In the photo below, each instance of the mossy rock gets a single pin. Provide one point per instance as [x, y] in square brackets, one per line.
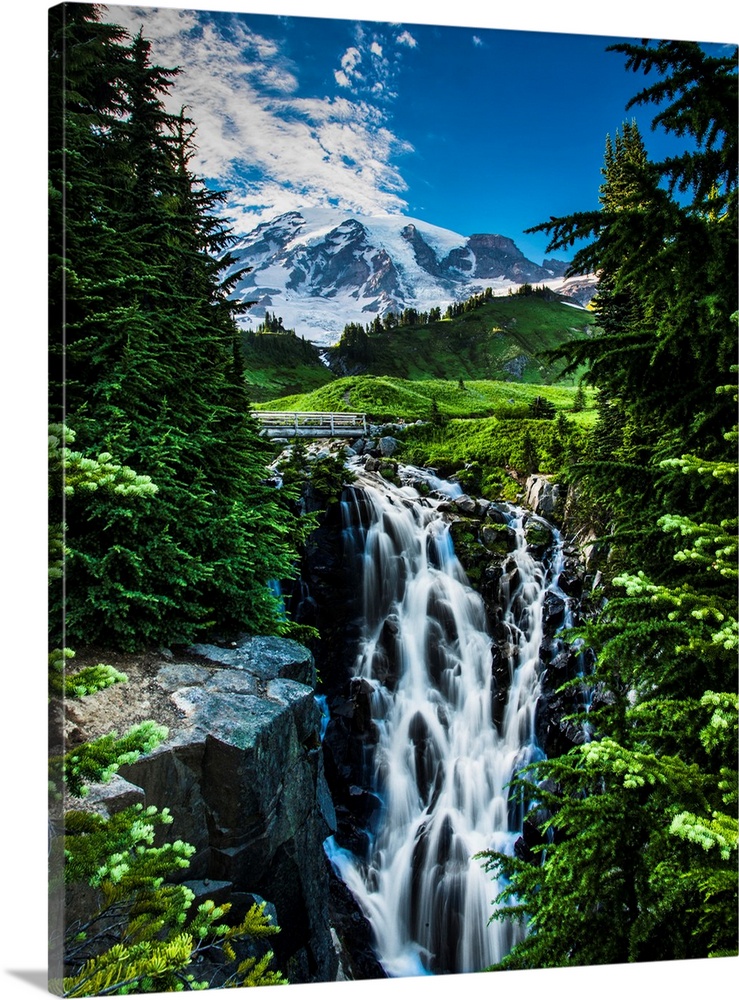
[538, 535]
[498, 539]
[389, 471]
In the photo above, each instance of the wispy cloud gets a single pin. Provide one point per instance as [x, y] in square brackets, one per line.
[369, 67]
[477, 41]
[275, 150]
[406, 38]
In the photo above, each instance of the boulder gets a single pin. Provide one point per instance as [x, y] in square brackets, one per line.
[545, 497]
[246, 772]
[388, 446]
[266, 656]
[465, 504]
[538, 536]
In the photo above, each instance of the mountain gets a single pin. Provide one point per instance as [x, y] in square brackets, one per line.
[319, 269]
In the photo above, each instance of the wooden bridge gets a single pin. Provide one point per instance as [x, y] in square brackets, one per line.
[296, 424]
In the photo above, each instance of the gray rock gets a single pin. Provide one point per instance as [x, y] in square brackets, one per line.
[209, 888]
[244, 780]
[267, 656]
[388, 446]
[466, 504]
[177, 675]
[544, 497]
[110, 797]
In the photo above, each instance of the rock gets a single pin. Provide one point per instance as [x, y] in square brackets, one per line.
[208, 888]
[111, 796]
[353, 931]
[570, 583]
[545, 497]
[495, 514]
[553, 612]
[177, 675]
[465, 504]
[538, 536]
[388, 446]
[498, 538]
[264, 655]
[246, 773]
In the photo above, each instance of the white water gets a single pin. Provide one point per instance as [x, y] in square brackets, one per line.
[441, 767]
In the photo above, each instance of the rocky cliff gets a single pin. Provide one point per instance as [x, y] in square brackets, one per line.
[242, 773]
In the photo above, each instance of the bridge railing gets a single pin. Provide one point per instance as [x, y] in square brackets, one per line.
[312, 422]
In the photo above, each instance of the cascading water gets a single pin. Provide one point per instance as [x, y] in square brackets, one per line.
[441, 764]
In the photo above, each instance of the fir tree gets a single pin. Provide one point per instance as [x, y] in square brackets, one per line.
[150, 358]
[638, 827]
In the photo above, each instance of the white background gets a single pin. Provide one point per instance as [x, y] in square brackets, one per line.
[22, 490]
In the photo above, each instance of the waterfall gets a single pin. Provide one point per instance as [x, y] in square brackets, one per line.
[443, 755]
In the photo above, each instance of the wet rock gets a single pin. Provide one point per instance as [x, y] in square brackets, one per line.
[388, 446]
[498, 539]
[538, 536]
[353, 931]
[361, 695]
[553, 613]
[570, 583]
[497, 514]
[545, 497]
[465, 504]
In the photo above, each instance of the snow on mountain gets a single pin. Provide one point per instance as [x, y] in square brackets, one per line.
[319, 269]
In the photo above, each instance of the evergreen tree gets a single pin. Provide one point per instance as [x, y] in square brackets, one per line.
[638, 827]
[150, 360]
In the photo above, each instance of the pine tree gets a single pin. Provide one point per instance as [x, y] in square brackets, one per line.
[638, 827]
[151, 364]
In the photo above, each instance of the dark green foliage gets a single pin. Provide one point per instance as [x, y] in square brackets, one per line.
[278, 362]
[667, 292]
[151, 360]
[139, 935]
[541, 408]
[320, 481]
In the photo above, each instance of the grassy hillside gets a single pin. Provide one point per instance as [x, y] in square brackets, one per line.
[484, 453]
[503, 338]
[386, 398]
[276, 364]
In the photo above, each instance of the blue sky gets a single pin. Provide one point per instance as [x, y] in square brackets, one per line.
[472, 129]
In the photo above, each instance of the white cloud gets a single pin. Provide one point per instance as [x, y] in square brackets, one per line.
[350, 60]
[365, 69]
[274, 150]
[477, 41]
[406, 38]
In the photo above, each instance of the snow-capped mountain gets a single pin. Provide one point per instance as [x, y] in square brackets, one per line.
[319, 269]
